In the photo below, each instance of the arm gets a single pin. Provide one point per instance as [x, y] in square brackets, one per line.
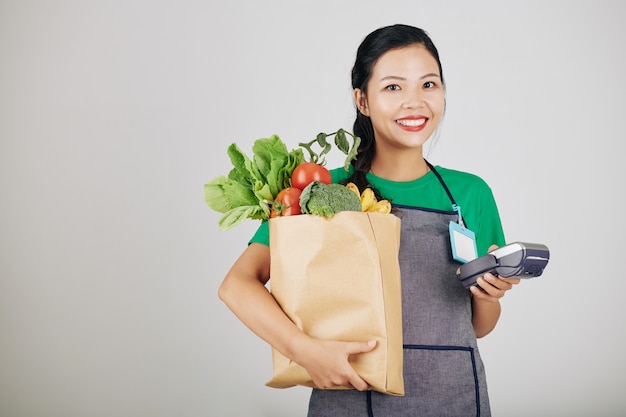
[486, 301]
[244, 292]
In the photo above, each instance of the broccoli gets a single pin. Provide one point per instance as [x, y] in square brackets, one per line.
[327, 199]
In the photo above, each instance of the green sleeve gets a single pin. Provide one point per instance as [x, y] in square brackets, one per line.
[489, 228]
[262, 234]
[478, 206]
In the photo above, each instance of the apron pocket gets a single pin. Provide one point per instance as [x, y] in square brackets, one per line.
[442, 380]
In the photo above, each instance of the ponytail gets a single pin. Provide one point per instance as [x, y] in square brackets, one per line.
[365, 131]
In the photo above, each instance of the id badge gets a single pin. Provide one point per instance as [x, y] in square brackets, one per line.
[463, 242]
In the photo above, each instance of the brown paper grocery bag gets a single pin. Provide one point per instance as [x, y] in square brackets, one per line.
[339, 279]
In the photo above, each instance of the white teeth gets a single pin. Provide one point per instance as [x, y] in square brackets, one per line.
[412, 122]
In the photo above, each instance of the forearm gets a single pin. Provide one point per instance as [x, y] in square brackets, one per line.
[485, 301]
[243, 291]
[258, 310]
[485, 315]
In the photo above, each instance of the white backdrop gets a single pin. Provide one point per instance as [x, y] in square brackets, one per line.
[113, 114]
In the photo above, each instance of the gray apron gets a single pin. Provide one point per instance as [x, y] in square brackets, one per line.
[443, 371]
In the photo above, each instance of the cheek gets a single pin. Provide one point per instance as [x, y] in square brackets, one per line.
[438, 104]
[383, 104]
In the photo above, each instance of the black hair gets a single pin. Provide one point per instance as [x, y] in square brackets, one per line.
[371, 49]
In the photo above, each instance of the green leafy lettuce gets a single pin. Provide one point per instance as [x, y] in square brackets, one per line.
[253, 183]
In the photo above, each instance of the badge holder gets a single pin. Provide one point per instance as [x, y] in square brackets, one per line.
[462, 240]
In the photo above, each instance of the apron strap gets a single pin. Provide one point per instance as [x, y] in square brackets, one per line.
[445, 187]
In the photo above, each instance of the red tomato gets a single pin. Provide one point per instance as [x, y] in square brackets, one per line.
[287, 202]
[307, 172]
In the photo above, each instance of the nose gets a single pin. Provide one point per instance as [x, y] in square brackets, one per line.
[413, 99]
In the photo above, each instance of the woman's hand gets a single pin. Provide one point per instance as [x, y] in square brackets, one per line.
[492, 287]
[328, 363]
[486, 300]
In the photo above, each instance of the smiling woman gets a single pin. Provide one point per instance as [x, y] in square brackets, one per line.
[114, 113]
[399, 93]
[404, 99]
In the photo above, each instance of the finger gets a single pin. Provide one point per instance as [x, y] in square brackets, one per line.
[501, 282]
[512, 281]
[489, 279]
[481, 294]
[355, 381]
[477, 291]
[358, 384]
[506, 283]
[354, 349]
[498, 282]
[360, 347]
[486, 284]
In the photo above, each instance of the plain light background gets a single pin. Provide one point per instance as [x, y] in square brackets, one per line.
[113, 115]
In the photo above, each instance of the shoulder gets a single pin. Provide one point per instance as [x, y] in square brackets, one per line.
[459, 175]
[462, 179]
[262, 234]
[340, 174]
[480, 210]
[467, 188]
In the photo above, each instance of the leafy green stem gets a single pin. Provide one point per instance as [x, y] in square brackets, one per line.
[341, 142]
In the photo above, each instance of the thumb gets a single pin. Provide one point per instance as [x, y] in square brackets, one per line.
[361, 347]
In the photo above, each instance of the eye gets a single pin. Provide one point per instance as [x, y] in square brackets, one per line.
[430, 84]
[393, 87]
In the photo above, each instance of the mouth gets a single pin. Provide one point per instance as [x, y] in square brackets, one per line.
[412, 123]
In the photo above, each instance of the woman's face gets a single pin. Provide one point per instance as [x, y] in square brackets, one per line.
[405, 98]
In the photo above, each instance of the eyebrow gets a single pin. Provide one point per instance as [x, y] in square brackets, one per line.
[395, 77]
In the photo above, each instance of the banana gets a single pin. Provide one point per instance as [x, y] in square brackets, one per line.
[369, 202]
[368, 199]
[352, 186]
[382, 206]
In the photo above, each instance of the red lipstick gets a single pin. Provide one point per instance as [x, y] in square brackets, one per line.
[412, 123]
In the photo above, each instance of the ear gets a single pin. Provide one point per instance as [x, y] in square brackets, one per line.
[361, 101]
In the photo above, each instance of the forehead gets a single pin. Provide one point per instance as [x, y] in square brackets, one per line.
[405, 61]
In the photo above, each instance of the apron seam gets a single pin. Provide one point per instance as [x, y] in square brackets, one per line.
[370, 410]
[437, 347]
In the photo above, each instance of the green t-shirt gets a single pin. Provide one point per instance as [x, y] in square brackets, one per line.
[470, 192]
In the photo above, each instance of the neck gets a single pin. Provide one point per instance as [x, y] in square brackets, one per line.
[400, 168]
